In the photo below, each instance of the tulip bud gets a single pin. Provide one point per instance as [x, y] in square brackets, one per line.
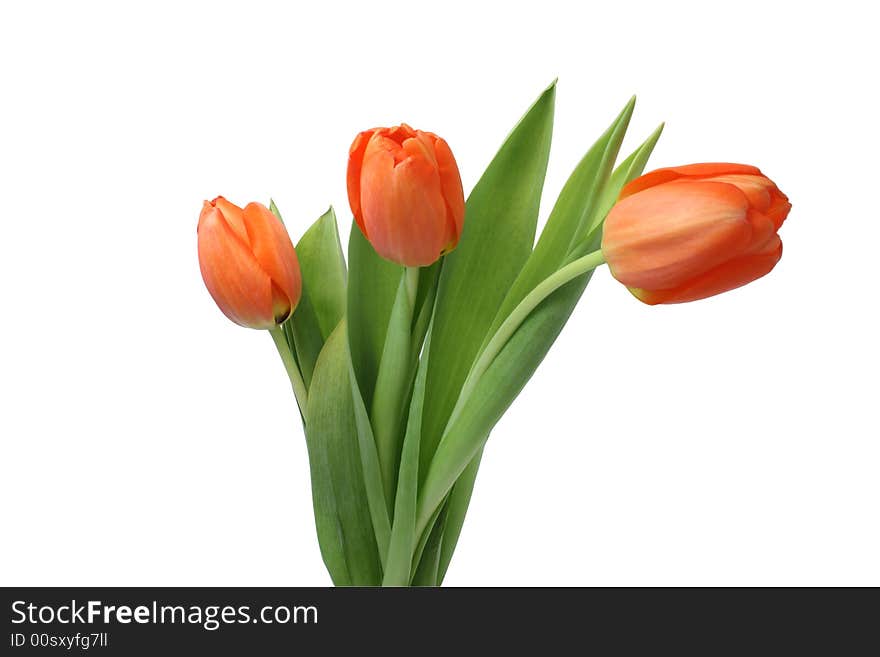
[405, 191]
[687, 233]
[248, 263]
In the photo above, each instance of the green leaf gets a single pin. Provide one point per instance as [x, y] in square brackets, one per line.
[427, 571]
[373, 285]
[403, 536]
[372, 288]
[459, 498]
[424, 535]
[323, 270]
[570, 214]
[304, 336]
[274, 210]
[345, 530]
[493, 394]
[456, 510]
[372, 471]
[322, 303]
[287, 329]
[392, 382]
[499, 231]
[630, 169]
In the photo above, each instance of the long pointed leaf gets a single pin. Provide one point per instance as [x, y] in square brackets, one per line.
[493, 394]
[630, 169]
[499, 231]
[375, 495]
[322, 303]
[403, 537]
[459, 498]
[323, 270]
[392, 381]
[429, 561]
[572, 214]
[571, 211]
[372, 288]
[456, 510]
[345, 530]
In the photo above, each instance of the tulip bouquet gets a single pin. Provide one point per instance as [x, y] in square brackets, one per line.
[403, 359]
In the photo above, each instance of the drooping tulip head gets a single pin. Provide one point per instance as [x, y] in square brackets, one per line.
[685, 233]
[405, 191]
[248, 263]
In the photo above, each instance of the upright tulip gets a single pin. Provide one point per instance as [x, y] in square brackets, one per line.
[405, 191]
[690, 232]
[248, 263]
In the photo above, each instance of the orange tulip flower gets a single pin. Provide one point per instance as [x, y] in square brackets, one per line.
[405, 191]
[248, 263]
[690, 232]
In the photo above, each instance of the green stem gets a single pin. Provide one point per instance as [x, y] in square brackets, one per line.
[296, 380]
[543, 290]
[432, 498]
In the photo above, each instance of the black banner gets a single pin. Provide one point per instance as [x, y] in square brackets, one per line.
[170, 621]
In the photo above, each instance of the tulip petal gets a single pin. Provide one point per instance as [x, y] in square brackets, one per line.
[275, 254]
[688, 171]
[403, 208]
[353, 175]
[398, 134]
[417, 147]
[650, 179]
[233, 216]
[762, 193]
[281, 308]
[779, 208]
[709, 169]
[763, 231]
[422, 144]
[238, 284]
[665, 235]
[453, 194]
[725, 277]
[756, 188]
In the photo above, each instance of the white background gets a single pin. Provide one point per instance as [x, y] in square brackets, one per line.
[146, 440]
